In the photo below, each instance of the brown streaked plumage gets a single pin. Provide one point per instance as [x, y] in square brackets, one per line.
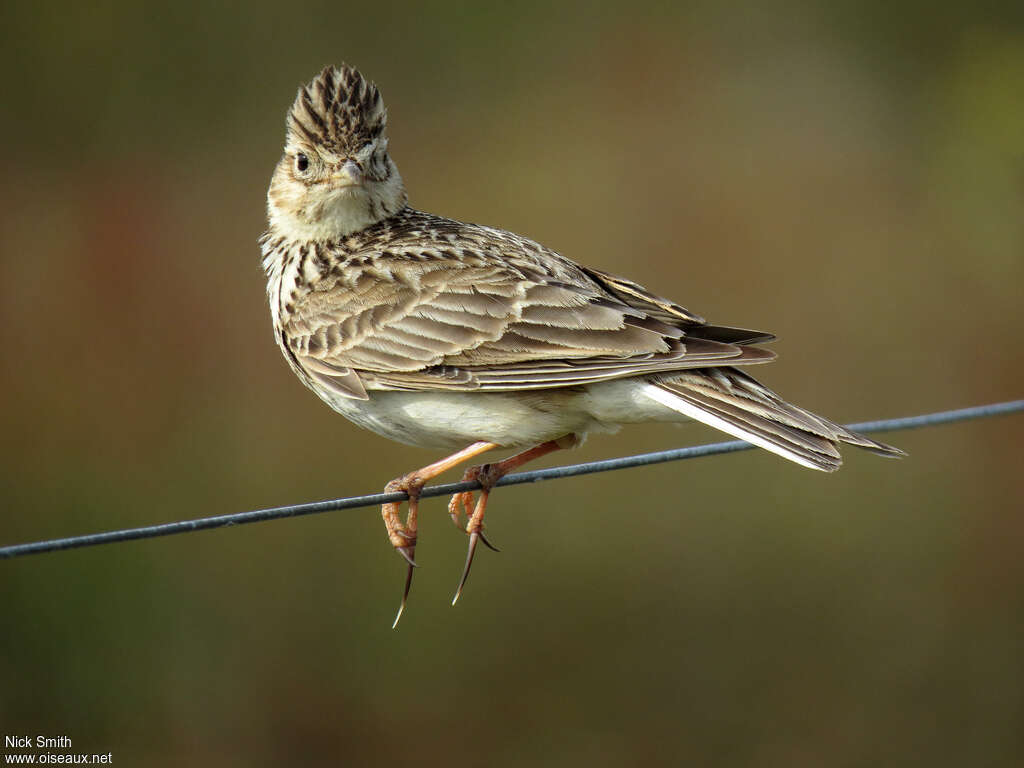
[444, 334]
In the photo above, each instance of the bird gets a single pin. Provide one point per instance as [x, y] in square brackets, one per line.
[465, 338]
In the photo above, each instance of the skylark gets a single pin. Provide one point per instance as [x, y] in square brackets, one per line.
[447, 335]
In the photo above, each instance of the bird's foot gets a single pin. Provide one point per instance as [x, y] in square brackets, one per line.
[403, 536]
[465, 502]
[487, 475]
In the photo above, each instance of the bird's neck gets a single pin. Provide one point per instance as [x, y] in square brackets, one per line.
[335, 215]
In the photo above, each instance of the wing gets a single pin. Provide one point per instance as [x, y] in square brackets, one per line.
[479, 317]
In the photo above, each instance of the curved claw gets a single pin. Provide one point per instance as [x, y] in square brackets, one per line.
[473, 539]
[405, 594]
[407, 553]
[487, 543]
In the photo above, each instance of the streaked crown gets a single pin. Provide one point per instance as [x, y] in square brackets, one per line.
[339, 110]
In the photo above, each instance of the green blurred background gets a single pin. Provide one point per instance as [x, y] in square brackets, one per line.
[849, 176]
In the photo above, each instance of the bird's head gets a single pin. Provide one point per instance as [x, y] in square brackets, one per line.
[335, 176]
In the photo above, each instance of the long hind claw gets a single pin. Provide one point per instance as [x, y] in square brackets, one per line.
[473, 539]
[405, 593]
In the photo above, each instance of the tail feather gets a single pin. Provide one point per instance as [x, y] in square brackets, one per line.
[729, 400]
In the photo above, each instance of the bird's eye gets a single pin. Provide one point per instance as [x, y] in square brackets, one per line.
[301, 163]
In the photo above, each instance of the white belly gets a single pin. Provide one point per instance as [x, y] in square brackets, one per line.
[510, 419]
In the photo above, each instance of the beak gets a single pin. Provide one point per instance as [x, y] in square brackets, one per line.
[349, 175]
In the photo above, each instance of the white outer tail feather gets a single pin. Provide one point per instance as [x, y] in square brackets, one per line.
[679, 405]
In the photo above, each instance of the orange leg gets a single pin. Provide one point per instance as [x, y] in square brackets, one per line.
[403, 537]
[487, 475]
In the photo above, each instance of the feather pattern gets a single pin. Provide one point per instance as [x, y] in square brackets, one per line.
[430, 330]
[507, 312]
[730, 400]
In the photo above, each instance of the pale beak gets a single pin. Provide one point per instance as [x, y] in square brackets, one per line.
[349, 175]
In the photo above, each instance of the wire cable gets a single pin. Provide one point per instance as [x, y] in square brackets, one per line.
[572, 470]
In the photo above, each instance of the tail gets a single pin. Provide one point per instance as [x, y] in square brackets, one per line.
[729, 400]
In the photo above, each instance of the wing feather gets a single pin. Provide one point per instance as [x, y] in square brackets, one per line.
[493, 311]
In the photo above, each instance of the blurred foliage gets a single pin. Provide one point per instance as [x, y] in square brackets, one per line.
[849, 176]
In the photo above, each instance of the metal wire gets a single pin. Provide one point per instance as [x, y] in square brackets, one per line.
[373, 499]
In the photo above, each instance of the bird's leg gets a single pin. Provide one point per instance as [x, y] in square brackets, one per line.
[403, 537]
[487, 475]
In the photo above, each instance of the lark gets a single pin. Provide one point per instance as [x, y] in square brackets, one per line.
[466, 338]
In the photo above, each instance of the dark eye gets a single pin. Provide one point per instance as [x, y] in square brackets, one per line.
[301, 163]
